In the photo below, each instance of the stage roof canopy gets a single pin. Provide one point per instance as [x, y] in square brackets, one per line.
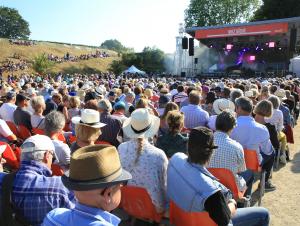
[267, 27]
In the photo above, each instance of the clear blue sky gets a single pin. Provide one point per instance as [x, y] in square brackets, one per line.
[136, 23]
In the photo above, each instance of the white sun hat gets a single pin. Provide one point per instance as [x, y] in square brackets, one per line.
[220, 105]
[89, 117]
[141, 124]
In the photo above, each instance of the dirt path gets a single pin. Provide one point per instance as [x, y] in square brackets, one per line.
[284, 203]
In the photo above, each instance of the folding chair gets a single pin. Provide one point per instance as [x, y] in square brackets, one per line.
[102, 142]
[13, 127]
[10, 156]
[252, 163]
[179, 217]
[38, 131]
[227, 178]
[56, 170]
[138, 204]
[24, 133]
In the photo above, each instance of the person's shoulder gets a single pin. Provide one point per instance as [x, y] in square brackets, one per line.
[56, 217]
[60, 144]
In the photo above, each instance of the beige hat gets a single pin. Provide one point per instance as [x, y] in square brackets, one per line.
[89, 117]
[141, 124]
[220, 105]
[249, 93]
[281, 94]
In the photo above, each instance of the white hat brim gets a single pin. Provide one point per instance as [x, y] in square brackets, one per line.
[218, 111]
[155, 123]
[77, 121]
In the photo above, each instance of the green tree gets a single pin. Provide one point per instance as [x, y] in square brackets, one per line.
[117, 67]
[12, 25]
[277, 9]
[113, 44]
[219, 12]
[41, 64]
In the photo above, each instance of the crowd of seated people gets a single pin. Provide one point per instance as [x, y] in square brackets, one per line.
[12, 66]
[160, 134]
[71, 58]
[21, 42]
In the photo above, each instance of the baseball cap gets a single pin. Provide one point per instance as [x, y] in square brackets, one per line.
[20, 97]
[37, 143]
[10, 95]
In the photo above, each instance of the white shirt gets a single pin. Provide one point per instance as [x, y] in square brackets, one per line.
[194, 116]
[4, 129]
[7, 111]
[63, 153]
[276, 120]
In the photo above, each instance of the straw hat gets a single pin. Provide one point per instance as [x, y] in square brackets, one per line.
[141, 124]
[220, 105]
[281, 94]
[93, 167]
[89, 117]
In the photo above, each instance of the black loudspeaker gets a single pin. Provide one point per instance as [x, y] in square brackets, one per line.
[191, 47]
[293, 39]
[184, 43]
[182, 74]
[196, 60]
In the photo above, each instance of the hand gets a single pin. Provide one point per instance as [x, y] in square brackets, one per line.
[1, 164]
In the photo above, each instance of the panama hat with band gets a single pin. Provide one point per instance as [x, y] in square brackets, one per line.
[93, 167]
[89, 117]
[141, 124]
[222, 104]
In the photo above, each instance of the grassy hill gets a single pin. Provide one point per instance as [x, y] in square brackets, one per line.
[58, 49]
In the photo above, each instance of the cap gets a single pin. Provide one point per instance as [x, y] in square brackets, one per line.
[37, 143]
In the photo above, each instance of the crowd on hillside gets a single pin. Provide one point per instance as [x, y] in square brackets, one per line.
[69, 57]
[21, 42]
[102, 132]
[11, 66]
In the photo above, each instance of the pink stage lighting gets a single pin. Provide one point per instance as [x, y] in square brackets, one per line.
[229, 46]
[252, 58]
[271, 44]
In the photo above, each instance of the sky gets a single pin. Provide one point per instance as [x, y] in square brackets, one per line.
[135, 23]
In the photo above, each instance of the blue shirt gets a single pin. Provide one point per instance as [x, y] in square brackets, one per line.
[286, 114]
[194, 116]
[252, 136]
[79, 216]
[189, 185]
[35, 192]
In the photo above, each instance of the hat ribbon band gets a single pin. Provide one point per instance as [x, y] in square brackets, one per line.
[90, 124]
[100, 178]
[142, 130]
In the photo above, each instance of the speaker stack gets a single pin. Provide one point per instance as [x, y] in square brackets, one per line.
[293, 39]
[184, 43]
[191, 46]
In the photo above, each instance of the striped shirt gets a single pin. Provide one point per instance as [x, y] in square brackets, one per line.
[194, 116]
[35, 192]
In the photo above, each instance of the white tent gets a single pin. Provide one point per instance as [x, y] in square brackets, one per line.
[295, 65]
[134, 70]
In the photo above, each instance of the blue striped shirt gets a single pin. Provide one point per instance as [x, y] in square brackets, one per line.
[194, 116]
[35, 192]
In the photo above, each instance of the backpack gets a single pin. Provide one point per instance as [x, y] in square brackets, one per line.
[9, 215]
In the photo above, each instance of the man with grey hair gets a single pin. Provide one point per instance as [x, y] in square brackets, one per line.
[129, 99]
[254, 136]
[35, 192]
[113, 126]
[54, 124]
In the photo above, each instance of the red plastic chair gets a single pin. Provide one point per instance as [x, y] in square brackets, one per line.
[13, 128]
[24, 133]
[179, 217]
[227, 178]
[10, 156]
[62, 138]
[102, 142]
[138, 204]
[252, 163]
[72, 139]
[38, 131]
[56, 170]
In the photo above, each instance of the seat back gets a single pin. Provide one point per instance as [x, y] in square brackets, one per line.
[179, 217]
[24, 133]
[251, 160]
[102, 142]
[226, 178]
[9, 155]
[62, 138]
[137, 203]
[38, 131]
[13, 128]
[56, 170]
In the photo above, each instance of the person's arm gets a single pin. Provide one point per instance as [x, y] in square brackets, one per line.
[218, 209]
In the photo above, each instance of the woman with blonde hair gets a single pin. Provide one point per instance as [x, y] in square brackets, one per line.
[146, 163]
[173, 141]
[38, 105]
[87, 129]
[163, 128]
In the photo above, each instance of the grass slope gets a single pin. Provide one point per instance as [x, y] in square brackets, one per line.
[29, 52]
